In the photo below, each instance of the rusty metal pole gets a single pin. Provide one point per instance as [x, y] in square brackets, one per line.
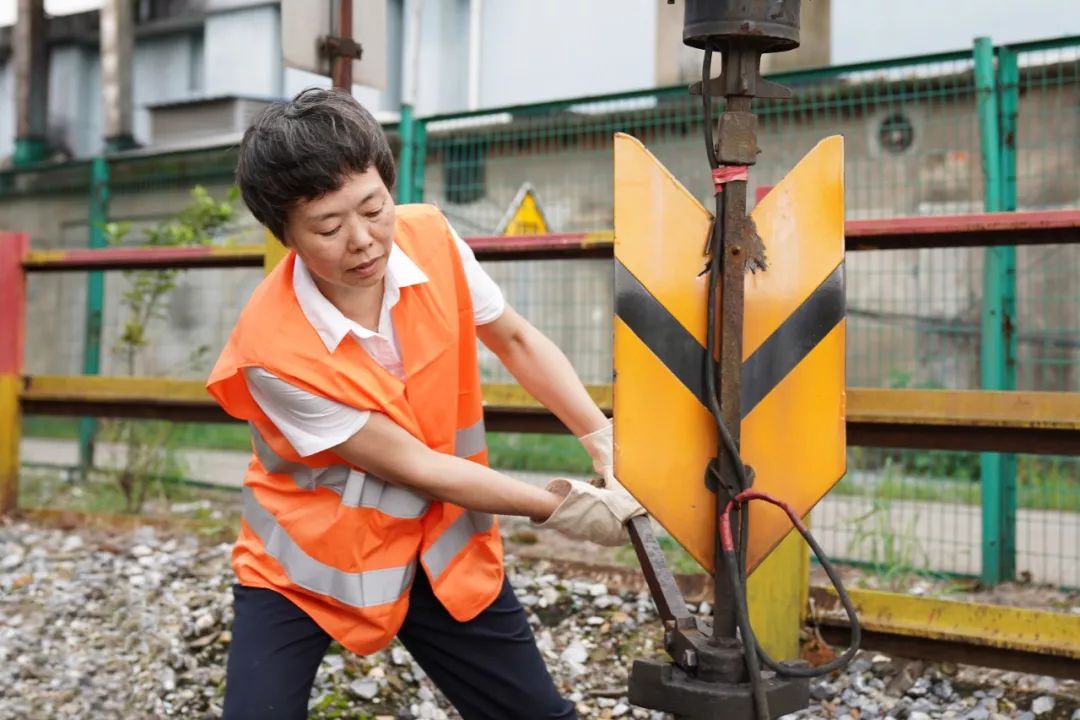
[342, 76]
[117, 50]
[31, 83]
[712, 673]
[740, 32]
[728, 369]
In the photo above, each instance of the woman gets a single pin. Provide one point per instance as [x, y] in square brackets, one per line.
[368, 505]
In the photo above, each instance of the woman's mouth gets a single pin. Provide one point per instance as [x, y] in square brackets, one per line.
[364, 269]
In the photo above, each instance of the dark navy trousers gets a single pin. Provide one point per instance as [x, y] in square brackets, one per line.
[489, 667]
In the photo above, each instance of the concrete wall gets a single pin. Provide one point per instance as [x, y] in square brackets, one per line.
[236, 51]
[242, 52]
[536, 51]
[181, 53]
[7, 109]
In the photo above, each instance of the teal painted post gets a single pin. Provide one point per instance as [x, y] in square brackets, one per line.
[406, 160]
[95, 299]
[419, 159]
[1009, 104]
[997, 346]
[29, 151]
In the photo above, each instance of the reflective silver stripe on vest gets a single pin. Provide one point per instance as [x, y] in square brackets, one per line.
[471, 440]
[358, 589]
[454, 539]
[357, 489]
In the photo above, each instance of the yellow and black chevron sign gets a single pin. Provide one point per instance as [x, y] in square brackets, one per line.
[792, 430]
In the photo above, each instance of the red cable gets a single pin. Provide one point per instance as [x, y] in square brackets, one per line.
[727, 542]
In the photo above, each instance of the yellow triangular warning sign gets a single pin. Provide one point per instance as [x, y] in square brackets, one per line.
[524, 217]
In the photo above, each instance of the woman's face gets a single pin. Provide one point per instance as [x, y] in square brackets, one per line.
[345, 236]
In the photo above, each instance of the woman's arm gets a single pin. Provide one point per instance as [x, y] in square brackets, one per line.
[575, 508]
[385, 449]
[543, 370]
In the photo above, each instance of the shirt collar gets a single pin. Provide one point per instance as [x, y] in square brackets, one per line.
[329, 322]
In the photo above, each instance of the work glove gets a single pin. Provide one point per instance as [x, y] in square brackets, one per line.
[600, 445]
[590, 513]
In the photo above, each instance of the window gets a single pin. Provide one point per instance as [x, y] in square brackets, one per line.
[896, 133]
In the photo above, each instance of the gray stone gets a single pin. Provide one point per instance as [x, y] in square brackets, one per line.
[575, 653]
[144, 632]
[920, 688]
[141, 551]
[366, 689]
[71, 544]
[860, 665]
[1042, 705]
[943, 690]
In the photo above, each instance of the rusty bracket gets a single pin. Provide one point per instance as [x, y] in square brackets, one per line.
[333, 47]
[764, 88]
[670, 605]
[687, 639]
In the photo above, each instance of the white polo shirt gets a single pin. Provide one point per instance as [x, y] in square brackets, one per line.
[311, 423]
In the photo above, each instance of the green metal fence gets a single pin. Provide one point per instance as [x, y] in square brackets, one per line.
[986, 129]
[1042, 145]
[981, 129]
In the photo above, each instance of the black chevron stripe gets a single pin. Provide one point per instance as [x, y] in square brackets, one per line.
[684, 356]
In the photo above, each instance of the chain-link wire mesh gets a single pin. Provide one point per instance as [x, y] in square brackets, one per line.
[1047, 146]
[912, 145]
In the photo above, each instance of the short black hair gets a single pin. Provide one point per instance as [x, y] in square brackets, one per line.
[300, 150]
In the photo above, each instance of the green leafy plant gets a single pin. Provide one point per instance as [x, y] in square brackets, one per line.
[894, 552]
[148, 450]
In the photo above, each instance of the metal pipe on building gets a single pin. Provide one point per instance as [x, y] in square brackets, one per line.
[117, 52]
[476, 17]
[31, 83]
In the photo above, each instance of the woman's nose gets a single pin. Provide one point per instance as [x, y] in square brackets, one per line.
[359, 237]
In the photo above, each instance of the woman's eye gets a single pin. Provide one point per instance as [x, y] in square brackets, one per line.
[373, 214]
[330, 233]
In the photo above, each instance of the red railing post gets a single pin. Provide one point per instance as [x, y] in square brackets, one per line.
[13, 248]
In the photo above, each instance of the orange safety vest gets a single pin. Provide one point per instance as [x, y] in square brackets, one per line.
[340, 543]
